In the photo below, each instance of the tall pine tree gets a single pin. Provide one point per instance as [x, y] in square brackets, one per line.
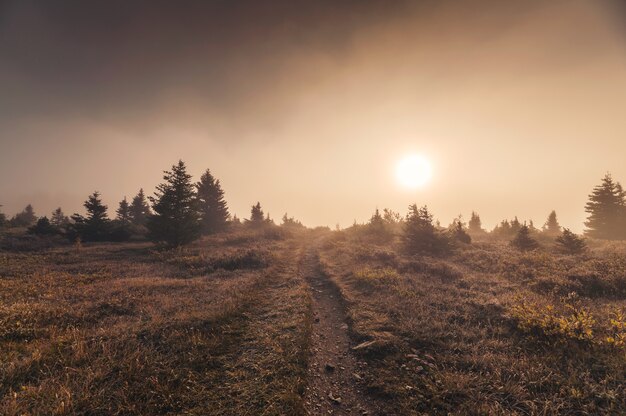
[121, 226]
[257, 218]
[58, 218]
[211, 204]
[552, 226]
[175, 221]
[474, 224]
[123, 212]
[25, 218]
[139, 210]
[96, 226]
[607, 210]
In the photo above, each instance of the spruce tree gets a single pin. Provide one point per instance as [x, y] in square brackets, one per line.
[570, 243]
[420, 235]
[3, 219]
[607, 210]
[379, 228]
[377, 223]
[121, 225]
[211, 204]
[123, 212]
[43, 227]
[139, 210]
[458, 233]
[475, 225]
[25, 218]
[257, 218]
[523, 241]
[96, 226]
[516, 225]
[58, 218]
[288, 221]
[175, 221]
[503, 229]
[391, 217]
[552, 226]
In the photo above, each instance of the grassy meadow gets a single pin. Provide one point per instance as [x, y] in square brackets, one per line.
[222, 327]
[120, 329]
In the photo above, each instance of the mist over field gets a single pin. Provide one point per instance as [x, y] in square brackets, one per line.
[517, 105]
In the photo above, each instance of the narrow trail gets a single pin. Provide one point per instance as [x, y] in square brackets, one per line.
[334, 373]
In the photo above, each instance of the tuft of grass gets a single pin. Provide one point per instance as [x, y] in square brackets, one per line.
[385, 275]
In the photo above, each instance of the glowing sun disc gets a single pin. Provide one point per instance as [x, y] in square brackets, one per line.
[413, 171]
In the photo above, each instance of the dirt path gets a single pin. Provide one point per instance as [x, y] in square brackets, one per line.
[334, 386]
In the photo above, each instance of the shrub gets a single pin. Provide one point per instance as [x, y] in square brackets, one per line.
[617, 325]
[577, 324]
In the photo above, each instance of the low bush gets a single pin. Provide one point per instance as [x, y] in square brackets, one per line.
[569, 321]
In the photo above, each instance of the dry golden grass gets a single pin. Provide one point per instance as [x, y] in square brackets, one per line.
[464, 335]
[122, 330]
[223, 327]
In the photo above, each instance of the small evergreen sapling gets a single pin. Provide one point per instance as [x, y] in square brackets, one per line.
[523, 240]
[570, 243]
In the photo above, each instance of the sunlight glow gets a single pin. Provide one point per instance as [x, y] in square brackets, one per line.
[413, 171]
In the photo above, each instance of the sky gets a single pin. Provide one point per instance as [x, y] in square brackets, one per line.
[306, 106]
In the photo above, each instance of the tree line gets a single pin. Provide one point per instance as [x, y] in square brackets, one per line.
[420, 234]
[181, 211]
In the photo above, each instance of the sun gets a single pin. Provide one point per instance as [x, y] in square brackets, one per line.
[413, 171]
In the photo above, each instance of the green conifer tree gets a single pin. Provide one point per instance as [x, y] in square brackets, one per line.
[420, 234]
[570, 243]
[96, 226]
[175, 221]
[523, 240]
[257, 217]
[475, 224]
[552, 226]
[139, 209]
[607, 211]
[211, 204]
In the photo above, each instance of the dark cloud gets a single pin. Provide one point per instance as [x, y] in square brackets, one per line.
[104, 58]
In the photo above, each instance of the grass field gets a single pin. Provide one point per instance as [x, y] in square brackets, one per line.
[224, 327]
